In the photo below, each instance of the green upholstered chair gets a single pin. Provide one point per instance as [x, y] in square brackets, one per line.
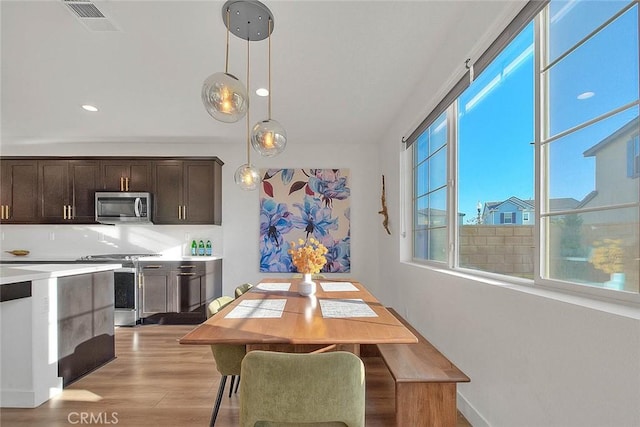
[217, 304]
[228, 358]
[242, 289]
[292, 389]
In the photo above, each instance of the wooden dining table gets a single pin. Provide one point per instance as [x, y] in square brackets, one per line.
[274, 316]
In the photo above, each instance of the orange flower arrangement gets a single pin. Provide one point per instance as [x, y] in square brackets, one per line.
[308, 256]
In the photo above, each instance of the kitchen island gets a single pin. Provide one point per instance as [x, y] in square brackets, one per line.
[56, 324]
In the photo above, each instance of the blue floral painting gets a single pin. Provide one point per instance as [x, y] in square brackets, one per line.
[302, 203]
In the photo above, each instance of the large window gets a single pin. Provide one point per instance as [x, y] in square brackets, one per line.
[590, 85]
[495, 163]
[430, 192]
[563, 94]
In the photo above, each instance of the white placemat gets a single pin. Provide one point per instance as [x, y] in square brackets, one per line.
[346, 308]
[273, 286]
[258, 308]
[338, 287]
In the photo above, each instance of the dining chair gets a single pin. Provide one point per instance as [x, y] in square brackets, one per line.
[242, 289]
[280, 388]
[228, 358]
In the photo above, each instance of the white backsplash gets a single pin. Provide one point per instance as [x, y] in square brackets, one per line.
[72, 241]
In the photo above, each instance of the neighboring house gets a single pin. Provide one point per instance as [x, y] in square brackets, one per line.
[616, 155]
[520, 212]
[508, 212]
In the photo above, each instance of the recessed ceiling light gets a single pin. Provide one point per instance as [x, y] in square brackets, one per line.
[585, 95]
[262, 92]
[90, 108]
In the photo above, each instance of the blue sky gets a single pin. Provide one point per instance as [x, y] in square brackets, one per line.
[496, 158]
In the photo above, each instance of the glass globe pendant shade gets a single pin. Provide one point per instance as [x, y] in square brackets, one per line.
[247, 177]
[225, 97]
[268, 138]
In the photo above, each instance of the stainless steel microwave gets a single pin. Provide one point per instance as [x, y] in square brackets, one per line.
[114, 207]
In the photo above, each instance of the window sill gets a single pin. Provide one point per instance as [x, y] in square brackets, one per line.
[587, 298]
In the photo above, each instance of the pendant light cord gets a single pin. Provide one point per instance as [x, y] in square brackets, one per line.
[248, 92]
[269, 34]
[226, 58]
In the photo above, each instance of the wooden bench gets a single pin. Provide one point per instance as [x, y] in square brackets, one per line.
[425, 382]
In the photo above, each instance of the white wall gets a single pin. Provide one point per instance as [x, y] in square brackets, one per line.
[236, 239]
[534, 358]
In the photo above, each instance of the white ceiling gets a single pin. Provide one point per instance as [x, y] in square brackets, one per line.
[340, 68]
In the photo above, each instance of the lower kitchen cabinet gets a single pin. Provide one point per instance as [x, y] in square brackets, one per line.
[178, 291]
[154, 290]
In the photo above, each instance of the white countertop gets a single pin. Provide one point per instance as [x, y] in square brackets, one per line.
[12, 273]
[179, 258]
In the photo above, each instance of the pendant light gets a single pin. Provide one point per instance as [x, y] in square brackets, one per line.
[247, 176]
[268, 137]
[223, 95]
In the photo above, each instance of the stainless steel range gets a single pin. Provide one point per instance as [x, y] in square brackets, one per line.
[125, 281]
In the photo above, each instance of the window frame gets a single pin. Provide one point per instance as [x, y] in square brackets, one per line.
[414, 197]
[633, 157]
[540, 121]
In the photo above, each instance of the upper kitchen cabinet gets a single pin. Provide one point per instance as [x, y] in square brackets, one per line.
[66, 190]
[187, 191]
[126, 175]
[18, 186]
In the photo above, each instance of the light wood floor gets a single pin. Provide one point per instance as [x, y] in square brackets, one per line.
[157, 382]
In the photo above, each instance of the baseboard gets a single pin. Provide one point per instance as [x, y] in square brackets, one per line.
[470, 413]
[30, 398]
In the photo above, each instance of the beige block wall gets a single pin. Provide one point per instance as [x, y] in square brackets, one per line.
[504, 249]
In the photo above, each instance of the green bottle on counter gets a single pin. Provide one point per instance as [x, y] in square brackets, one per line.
[194, 248]
[208, 250]
[201, 248]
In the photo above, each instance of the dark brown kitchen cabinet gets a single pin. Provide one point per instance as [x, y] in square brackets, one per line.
[187, 191]
[66, 190]
[126, 175]
[178, 291]
[54, 190]
[18, 186]
[155, 293]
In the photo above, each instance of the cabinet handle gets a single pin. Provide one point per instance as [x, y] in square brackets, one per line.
[187, 266]
[7, 214]
[151, 266]
[178, 298]
[184, 212]
[126, 182]
[70, 215]
[121, 184]
[190, 273]
[64, 209]
[2, 215]
[179, 212]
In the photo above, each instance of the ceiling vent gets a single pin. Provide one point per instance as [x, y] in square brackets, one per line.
[89, 15]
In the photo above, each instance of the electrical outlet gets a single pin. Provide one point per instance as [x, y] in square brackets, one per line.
[187, 237]
[52, 235]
